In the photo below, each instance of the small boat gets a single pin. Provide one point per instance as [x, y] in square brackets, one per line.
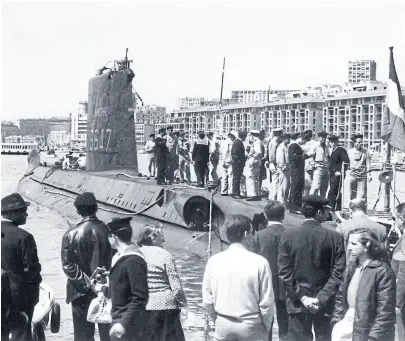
[46, 312]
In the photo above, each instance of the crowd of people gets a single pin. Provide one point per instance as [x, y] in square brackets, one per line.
[343, 285]
[295, 164]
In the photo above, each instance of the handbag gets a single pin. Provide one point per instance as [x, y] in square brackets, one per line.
[100, 310]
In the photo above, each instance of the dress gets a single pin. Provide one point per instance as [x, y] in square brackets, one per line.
[343, 330]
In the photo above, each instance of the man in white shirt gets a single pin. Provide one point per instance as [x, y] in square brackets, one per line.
[283, 169]
[237, 288]
[150, 151]
[226, 181]
[214, 157]
[320, 180]
[253, 170]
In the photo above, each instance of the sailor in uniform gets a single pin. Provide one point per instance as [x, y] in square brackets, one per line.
[253, 169]
[238, 163]
[200, 158]
[338, 156]
[359, 172]
[283, 169]
[309, 163]
[263, 172]
[161, 156]
[226, 183]
[321, 173]
[271, 163]
[150, 152]
[184, 158]
[173, 156]
[214, 157]
[297, 157]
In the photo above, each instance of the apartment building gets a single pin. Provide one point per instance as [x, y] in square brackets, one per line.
[142, 132]
[150, 114]
[256, 96]
[362, 71]
[190, 102]
[79, 126]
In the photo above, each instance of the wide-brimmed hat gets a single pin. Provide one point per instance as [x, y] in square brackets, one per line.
[13, 202]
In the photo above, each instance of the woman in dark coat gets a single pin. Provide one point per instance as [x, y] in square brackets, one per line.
[365, 303]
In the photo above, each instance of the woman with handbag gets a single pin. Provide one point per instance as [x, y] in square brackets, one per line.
[166, 295]
[365, 302]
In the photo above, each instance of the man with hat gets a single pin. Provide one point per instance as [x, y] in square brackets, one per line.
[321, 173]
[238, 162]
[359, 173]
[283, 169]
[309, 163]
[226, 183]
[173, 156]
[19, 259]
[297, 157]
[128, 284]
[254, 163]
[338, 157]
[85, 248]
[311, 262]
[200, 157]
[214, 157]
[150, 152]
[184, 158]
[271, 162]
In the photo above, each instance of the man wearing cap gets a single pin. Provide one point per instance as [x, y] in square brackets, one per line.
[173, 156]
[226, 183]
[85, 247]
[297, 157]
[20, 259]
[309, 163]
[321, 173]
[311, 262]
[200, 157]
[359, 173]
[162, 133]
[398, 265]
[128, 284]
[150, 152]
[283, 169]
[271, 163]
[254, 163]
[184, 158]
[214, 157]
[238, 163]
[338, 157]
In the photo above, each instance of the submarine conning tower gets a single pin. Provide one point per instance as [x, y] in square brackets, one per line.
[110, 121]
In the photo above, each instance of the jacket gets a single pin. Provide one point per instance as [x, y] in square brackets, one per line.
[311, 262]
[84, 248]
[129, 291]
[238, 152]
[399, 270]
[266, 244]
[337, 157]
[375, 315]
[296, 157]
[20, 259]
[201, 151]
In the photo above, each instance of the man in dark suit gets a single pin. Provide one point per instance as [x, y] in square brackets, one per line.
[20, 259]
[338, 156]
[238, 162]
[85, 247]
[311, 262]
[200, 157]
[266, 244]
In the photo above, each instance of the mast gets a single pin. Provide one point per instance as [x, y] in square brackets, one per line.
[220, 117]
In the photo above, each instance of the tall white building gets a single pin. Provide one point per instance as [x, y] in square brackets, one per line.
[190, 102]
[362, 71]
[79, 125]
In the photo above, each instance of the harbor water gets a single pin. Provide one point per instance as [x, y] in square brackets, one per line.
[48, 228]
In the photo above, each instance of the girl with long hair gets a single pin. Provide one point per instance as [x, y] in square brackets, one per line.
[365, 302]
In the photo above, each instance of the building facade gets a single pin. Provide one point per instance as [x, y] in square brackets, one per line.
[59, 139]
[79, 126]
[150, 114]
[9, 130]
[190, 102]
[362, 71]
[256, 96]
[39, 126]
[142, 132]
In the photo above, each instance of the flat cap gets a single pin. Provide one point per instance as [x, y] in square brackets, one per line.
[13, 202]
[358, 136]
[322, 133]
[242, 133]
[234, 133]
[333, 138]
[277, 131]
[117, 224]
[316, 201]
[255, 132]
[85, 199]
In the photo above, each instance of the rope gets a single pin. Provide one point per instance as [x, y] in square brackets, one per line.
[106, 209]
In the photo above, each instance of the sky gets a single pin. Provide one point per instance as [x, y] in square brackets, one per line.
[49, 50]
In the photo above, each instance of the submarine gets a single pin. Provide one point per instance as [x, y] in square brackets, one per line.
[193, 218]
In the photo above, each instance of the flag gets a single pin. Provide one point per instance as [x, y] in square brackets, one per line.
[393, 120]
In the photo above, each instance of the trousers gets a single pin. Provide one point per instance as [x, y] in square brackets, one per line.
[320, 181]
[275, 183]
[237, 171]
[226, 183]
[83, 330]
[253, 181]
[151, 165]
[309, 175]
[213, 166]
[297, 187]
[334, 194]
[283, 186]
[358, 188]
[22, 331]
[184, 168]
[282, 321]
[232, 330]
[300, 327]
[161, 171]
[200, 170]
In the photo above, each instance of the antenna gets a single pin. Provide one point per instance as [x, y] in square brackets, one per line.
[222, 83]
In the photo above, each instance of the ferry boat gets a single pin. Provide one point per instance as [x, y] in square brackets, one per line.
[18, 148]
